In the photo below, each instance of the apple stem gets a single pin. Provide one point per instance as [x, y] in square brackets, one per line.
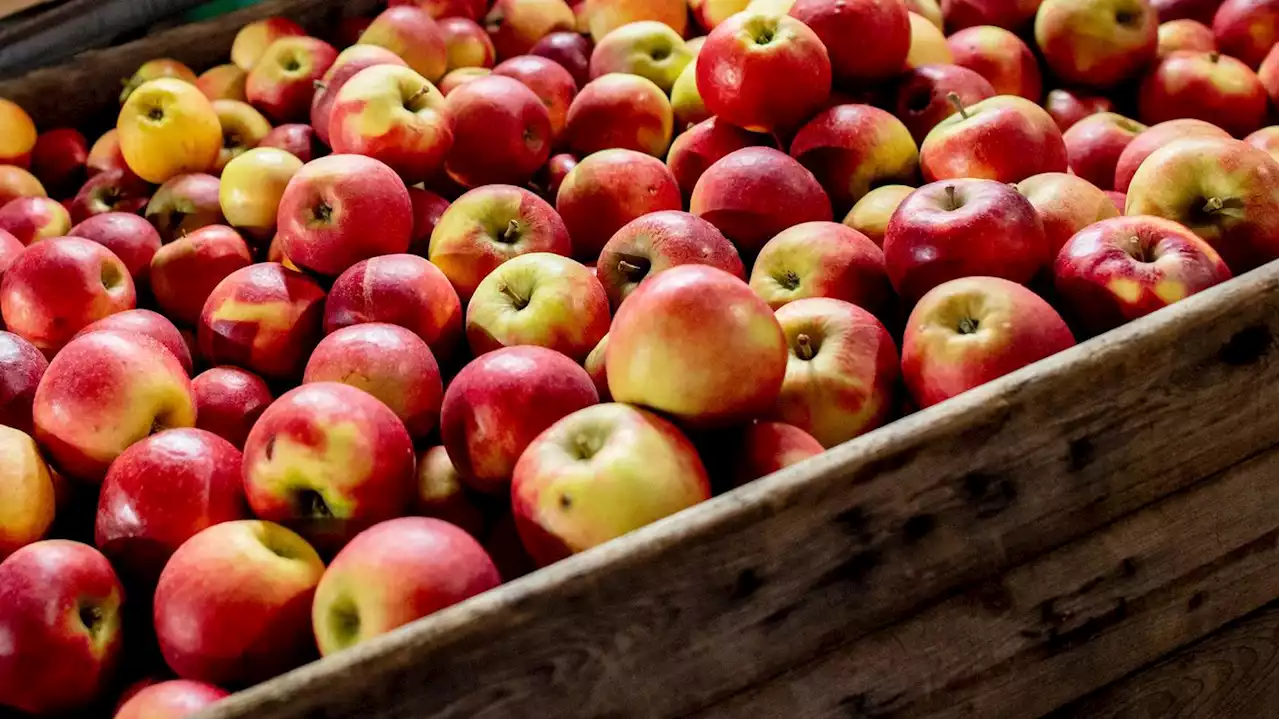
[421, 91]
[516, 299]
[319, 85]
[1213, 204]
[967, 326]
[511, 234]
[954, 99]
[1214, 56]
[632, 272]
[952, 201]
[804, 348]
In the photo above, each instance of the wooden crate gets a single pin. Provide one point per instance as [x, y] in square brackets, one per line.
[1093, 535]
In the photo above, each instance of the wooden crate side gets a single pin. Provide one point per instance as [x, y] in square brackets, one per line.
[698, 606]
[1061, 625]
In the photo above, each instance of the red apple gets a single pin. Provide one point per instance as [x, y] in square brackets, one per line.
[346, 66]
[1067, 107]
[31, 219]
[21, 367]
[229, 401]
[608, 189]
[1010, 15]
[1269, 74]
[455, 79]
[595, 367]
[1246, 29]
[1204, 86]
[442, 495]
[571, 50]
[821, 259]
[600, 17]
[58, 159]
[852, 148]
[622, 111]
[128, 236]
[185, 272]
[1000, 57]
[659, 241]
[296, 139]
[110, 191]
[920, 100]
[394, 115]
[223, 82]
[697, 148]
[967, 332]
[1117, 198]
[768, 447]
[1094, 146]
[1154, 138]
[30, 496]
[1066, 204]
[1184, 34]
[446, 9]
[516, 25]
[1198, 10]
[1003, 138]
[428, 207]
[502, 132]
[1097, 43]
[185, 204]
[411, 33]
[883, 27]
[1267, 139]
[151, 324]
[466, 43]
[173, 699]
[553, 85]
[282, 83]
[252, 41]
[551, 176]
[105, 154]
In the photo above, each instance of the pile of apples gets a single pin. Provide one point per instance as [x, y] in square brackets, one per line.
[319, 342]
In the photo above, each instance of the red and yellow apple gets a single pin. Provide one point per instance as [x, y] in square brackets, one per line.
[411, 33]
[1097, 43]
[282, 83]
[871, 214]
[252, 41]
[393, 115]
[172, 699]
[515, 26]
[553, 85]
[656, 242]
[229, 401]
[768, 447]
[501, 132]
[185, 272]
[1154, 138]
[920, 98]
[608, 189]
[31, 219]
[1067, 107]
[647, 48]
[882, 28]
[19, 135]
[1184, 34]
[28, 509]
[1003, 138]
[151, 324]
[252, 186]
[619, 111]
[853, 148]
[1066, 204]
[186, 203]
[1000, 57]
[821, 259]
[223, 82]
[168, 128]
[1095, 144]
[1246, 29]
[1205, 86]
[21, 367]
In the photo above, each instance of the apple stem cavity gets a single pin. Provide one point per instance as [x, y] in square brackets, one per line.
[633, 271]
[414, 97]
[515, 298]
[312, 504]
[804, 347]
[954, 99]
[1213, 204]
[91, 617]
[322, 212]
[967, 326]
[1214, 56]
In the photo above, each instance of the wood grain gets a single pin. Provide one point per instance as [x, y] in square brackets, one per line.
[1230, 674]
[699, 606]
[1061, 625]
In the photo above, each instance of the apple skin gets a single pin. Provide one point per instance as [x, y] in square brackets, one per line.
[233, 605]
[1126, 267]
[59, 286]
[928, 44]
[1269, 74]
[502, 132]
[466, 43]
[109, 191]
[105, 154]
[58, 159]
[282, 83]
[21, 367]
[852, 148]
[394, 573]
[1199, 10]
[185, 204]
[1117, 198]
[696, 343]
[1003, 138]
[264, 318]
[1154, 138]
[488, 226]
[659, 241]
[1174, 182]
[551, 176]
[252, 41]
[328, 460]
[571, 50]
[52, 661]
[961, 228]
[1000, 57]
[870, 215]
[19, 133]
[30, 500]
[1205, 86]
[151, 324]
[347, 65]
[604, 16]
[1066, 204]
[455, 79]
[553, 85]
[884, 27]
[1267, 139]
[185, 272]
[698, 147]
[768, 447]
[1184, 34]
[920, 98]
[961, 14]
[515, 25]
[185, 137]
[1097, 43]
[608, 189]
[296, 139]
[31, 219]
[252, 186]
[538, 299]
[619, 110]
[686, 103]
[598, 474]
[129, 237]
[394, 115]
[390, 363]
[223, 82]
[104, 391]
[647, 48]
[442, 495]
[160, 492]
[969, 331]
[595, 367]
[821, 259]
[428, 207]
[446, 9]
[763, 90]
[842, 369]
[243, 128]
[1094, 146]
[229, 401]
[710, 13]
[1246, 29]
[172, 699]
[1067, 107]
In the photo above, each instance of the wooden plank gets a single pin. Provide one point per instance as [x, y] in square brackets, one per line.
[1230, 674]
[728, 594]
[1062, 625]
[13, 7]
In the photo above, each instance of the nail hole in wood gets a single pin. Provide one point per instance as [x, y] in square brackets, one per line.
[1246, 346]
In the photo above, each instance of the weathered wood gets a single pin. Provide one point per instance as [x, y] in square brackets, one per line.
[699, 606]
[1062, 625]
[1231, 674]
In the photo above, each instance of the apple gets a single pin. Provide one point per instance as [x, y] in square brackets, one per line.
[1000, 57]
[16, 182]
[10, 248]
[540, 299]
[296, 139]
[1198, 10]
[821, 259]
[842, 369]
[515, 26]
[455, 79]
[710, 13]
[883, 28]
[1067, 107]
[852, 148]
[442, 495]
[920, 97]
[595, 367]
[243, 128]
[659, 241]
[647, 48]
[411, 33]
[393, 115]
[223, 82]
[605, 16]
[608, 189]
[185, 203]
[1117, 198]
[154, 70]
[105, 154]
[969, 331]
[620, 111]
[1184, 34]
[553, 85]
[466, 43]
[763, 72]
[393, 573]
[502, 132]
[447, 9]
[1097, 43]
[60, 616]
[686, 104]
[251, 42]
[928, 44]
[599, 473]
[282, 83]
[185, 272]
[698, 147]
[129, 237]
[113, 190]
[347, 65]
[24, 477]
[488, 226]
[1266, 139]
[739, 195]
[168, 128]
[571, 50]
[21, 367]
[58, 159]
[500, 402]
[1246, 29]
[390, 363]
[870, 215]
[961, 14]
[172, 699]
[1003, 138]
[31, 219]
[19, 135]
[1205, 86]
[962, 228]
[1221, 189]
[1126, 267]
[59, 286]
[233, 605]
[252, 187]
[768, 447]
[1095, 144]
[151, 324]
[428, 207]
[1066, 204]
[1155, 137]
[550, 178]
[103, 392]
[1269, 73]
